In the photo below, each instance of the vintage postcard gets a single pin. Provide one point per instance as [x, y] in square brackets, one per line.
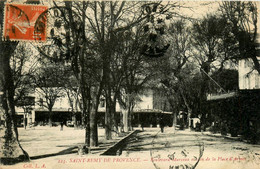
[129, 84]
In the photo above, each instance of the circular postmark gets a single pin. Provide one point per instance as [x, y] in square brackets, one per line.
[172, 150]
[65, 32]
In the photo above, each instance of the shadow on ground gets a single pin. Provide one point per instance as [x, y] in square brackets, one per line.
[161, 141]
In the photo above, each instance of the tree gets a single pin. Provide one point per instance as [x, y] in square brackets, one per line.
[111, 19]
[92, 29]
[68, 43]
[134, 73]
[213, 47]
[227, 78]
[11, 149]
[72, 91]
[124, 19]
[23, 67]
[49, 84]
[107, 21]
[243, 21]
[171, 69]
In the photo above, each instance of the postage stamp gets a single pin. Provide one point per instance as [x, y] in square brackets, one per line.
[24, 22]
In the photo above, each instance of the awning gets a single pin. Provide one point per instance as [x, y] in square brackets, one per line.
[147, 111]
[151, 111]
[221, 96]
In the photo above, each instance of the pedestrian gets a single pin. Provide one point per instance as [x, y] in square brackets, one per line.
[161, 124]
[61, 126]
[142, 125]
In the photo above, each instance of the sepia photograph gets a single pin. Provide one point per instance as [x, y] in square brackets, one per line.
[129, 84]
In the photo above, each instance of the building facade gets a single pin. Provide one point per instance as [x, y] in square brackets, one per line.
[144, 112]
[249, 78]
[238, 112]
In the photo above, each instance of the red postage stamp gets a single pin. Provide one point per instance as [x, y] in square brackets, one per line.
[25, 22]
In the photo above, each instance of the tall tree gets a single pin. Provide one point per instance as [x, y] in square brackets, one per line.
[243, 18]
[49, 84]
[104, 21]
[135, 73]
[211, 39]
[170, 68]
[67, 43]
[72, 92]
[11, 149]
[23, 67]
[111, 18]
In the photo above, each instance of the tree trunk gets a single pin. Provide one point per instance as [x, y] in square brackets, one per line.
[82, 118]
[108, 123]
[93, 126]
[73, 115]
[206, 68]
[24, 123]
[50, 117]
[114, 118]
[93, 115]
[10, 150]
[187, 105]
[108, 114]
[24, 118]
[174, 121]
[72, 102]
[130, 127]
[85, 113]
[74, 119]
[125, 119]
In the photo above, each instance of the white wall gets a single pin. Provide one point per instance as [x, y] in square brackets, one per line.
[147, 101]
[248, 78]
[62, 103]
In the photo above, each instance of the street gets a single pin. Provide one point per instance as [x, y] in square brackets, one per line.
[148, 149]
[185, 149]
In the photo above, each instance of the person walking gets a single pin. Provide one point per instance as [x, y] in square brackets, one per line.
[61, 126]
[161, 122]
[142, 125]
